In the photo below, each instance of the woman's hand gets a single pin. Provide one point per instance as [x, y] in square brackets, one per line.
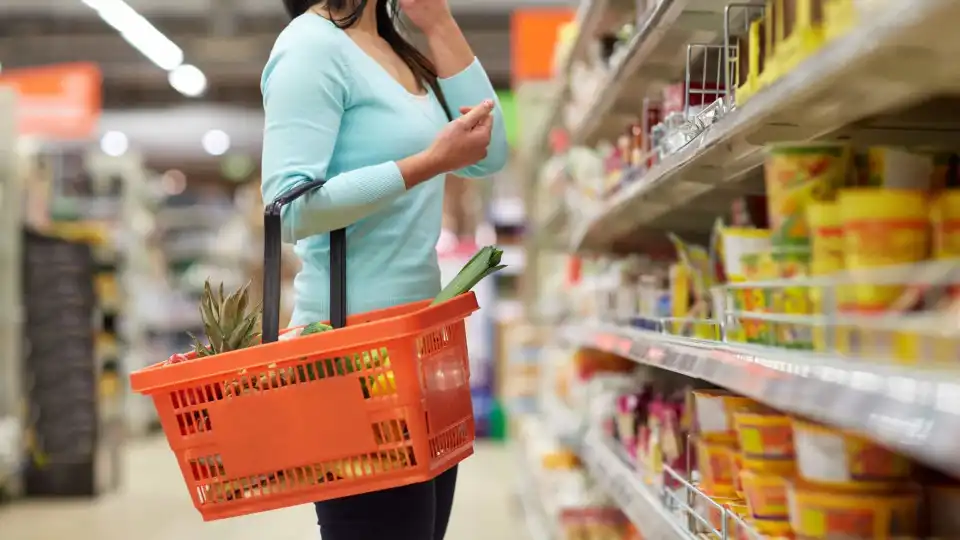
[427, 15]
[464, 141]
[459, 144]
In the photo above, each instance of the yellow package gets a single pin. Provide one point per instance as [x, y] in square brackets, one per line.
[796, 175]
[882, 228]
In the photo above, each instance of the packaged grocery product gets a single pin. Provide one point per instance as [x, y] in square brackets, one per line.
[882, 227]
[681, 282]
[792, 262]
[764, 436]
[772, 528]
[715, 410]
[839, 16]
[766, 495]
[673, 441]
[826, 237]
[833, 458]
[771, 38]
[588, 362]
[826, 258]
[817, 512]
[757, 267]
[749, 47]
[716, 464]
[714, 514]
[795, 175]
[895, 168]
[735, 242]
[945, 215]
[628, 418]
[737, 463]
[801, 24]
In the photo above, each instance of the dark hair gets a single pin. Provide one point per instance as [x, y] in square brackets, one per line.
[388, 19]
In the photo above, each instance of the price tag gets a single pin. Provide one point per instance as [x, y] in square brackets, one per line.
[604, 342]
[655, 355]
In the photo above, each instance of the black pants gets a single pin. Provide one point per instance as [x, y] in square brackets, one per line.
[414, 512]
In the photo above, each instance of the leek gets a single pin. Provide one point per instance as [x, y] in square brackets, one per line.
[484, 262]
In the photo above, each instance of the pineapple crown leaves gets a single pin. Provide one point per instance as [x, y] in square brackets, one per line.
[228, 321]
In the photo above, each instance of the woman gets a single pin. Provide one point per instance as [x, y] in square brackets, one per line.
[347, 99]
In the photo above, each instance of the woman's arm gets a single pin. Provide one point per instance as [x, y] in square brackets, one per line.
[465, 84]
[305, 92]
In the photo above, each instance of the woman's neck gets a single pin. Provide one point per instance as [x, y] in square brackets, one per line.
[367, 21]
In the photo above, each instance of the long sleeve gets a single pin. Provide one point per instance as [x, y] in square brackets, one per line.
[467, 89]
[305, 93]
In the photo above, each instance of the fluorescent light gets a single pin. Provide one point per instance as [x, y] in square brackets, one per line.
[188, 80]
[138, 32]
[216, 142]
[114, 143]
[158, 48]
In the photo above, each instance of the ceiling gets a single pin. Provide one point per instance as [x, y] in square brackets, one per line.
[229, 40]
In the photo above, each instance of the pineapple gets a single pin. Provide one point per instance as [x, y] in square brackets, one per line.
[228, 324]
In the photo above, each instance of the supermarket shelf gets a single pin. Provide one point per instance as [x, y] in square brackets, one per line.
[646, 39]
[915, 411]
[589, 17]
[562, 421]
[900, 55]
[641, 504]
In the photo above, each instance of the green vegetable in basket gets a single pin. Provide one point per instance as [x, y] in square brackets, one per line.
[484, 262]
[315, 328]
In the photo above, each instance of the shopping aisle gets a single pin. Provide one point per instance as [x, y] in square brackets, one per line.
[153, 506]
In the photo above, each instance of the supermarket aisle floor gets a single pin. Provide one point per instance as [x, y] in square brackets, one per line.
[152, 506]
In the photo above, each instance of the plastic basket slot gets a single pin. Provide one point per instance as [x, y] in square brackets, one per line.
[207, 468]
[433, 342]
[450, 439]
[391, 432]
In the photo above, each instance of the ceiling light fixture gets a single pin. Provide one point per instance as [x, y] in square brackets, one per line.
[216, 142]
[143, 36]
[188, 80]
[114, 143]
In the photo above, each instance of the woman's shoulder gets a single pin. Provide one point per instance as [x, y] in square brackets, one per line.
[310, 30]
[308, 41]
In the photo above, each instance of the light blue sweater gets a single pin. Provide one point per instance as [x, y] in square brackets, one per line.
[333, 112]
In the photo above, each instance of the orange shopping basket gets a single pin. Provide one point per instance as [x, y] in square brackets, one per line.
[381, 401]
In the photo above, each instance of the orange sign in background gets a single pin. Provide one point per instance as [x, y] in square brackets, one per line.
[56, 102]
[534, 39]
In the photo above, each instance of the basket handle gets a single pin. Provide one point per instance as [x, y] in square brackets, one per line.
[272, 242]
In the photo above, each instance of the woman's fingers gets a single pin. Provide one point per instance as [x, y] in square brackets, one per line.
[472, 117]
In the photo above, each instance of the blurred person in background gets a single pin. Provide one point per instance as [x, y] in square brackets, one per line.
[347, 98]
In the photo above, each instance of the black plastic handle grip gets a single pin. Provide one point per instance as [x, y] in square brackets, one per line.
[272, 243]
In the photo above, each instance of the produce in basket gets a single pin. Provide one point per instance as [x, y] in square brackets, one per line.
[484, 262]
[229, 321]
